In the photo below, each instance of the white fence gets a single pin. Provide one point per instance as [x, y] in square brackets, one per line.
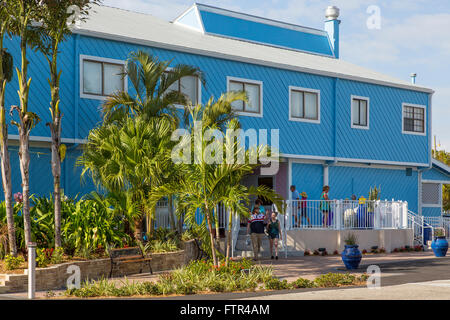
[344, 214]
[438, 222]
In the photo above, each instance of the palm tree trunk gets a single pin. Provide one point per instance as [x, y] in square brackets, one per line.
[229, 234]
[138, 229]
[213, 248]
[24, 157]
[6, 176]
[171, 217]
[217, 228]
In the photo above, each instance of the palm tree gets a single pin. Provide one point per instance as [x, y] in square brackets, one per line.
[205, 185]
[24, 13]
[151, 80]
[6, 72]
[53, 32]
[129, 158]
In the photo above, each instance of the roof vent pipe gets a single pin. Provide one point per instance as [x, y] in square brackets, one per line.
[413, 78]
[332, 27]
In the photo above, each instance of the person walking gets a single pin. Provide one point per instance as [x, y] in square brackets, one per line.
[255, 228]
[325, 206]
[274, 231]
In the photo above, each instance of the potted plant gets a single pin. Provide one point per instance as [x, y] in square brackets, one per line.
[440, 243]
[351, 256]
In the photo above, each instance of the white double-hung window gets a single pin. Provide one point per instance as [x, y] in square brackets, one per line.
[254, 90]
[360, 112]
[101, 77]
[304, 104]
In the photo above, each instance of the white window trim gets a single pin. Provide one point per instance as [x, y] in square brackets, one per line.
[199, 91]
[354, 126]
[99, 59]
[424, 119]
[250, 81]
[293, 88]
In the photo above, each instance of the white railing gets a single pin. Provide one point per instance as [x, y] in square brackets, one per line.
[439, 222]
[344, 214]
[416, 223]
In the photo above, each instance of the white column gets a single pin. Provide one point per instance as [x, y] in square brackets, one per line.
[326, 175]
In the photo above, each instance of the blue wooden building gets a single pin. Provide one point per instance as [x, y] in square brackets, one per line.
[340, 124]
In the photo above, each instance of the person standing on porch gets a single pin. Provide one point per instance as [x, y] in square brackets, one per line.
[255, 228]
[296, 204]
[325, 205]
[304, 209]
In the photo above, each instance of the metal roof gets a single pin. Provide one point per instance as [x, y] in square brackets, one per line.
[144, 29]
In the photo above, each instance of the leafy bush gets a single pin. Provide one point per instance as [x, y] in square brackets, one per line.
[43, 257]
[338, 279]
[276, 284]
[303, 283]
[12, 262]
[160, 246]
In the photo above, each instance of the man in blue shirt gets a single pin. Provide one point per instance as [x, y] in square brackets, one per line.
[255, 228]
[295, 205]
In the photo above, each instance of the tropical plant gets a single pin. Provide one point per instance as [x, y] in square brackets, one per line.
[152, 80]
[6, 73]
[90, 225]
[12, 262]
[351, 239]
[129, 158]
[56, 23]
[24, 13]
[206, 183]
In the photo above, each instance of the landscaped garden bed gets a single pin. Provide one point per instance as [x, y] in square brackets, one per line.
[201, 277]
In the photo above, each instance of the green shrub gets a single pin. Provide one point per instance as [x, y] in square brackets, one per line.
[218, 286]
[160, 246]
[303, 283]
[336, 280]
[276, 284]
[12, 262]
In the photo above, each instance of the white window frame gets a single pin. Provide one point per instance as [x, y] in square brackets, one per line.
[99, 59]
[424, 133]
[291, 118]
[199, 91]
[355, 126]
[249, 81]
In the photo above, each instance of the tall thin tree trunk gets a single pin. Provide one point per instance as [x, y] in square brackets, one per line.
[24, 157]
[138, 229]
[6, 175]
[171, 217]
[217, 228]
[213, 248]
[229, 234]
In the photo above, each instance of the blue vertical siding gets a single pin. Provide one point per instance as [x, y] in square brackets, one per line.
[384, 140]
[308, 178]
[394, 184]
[431, 212]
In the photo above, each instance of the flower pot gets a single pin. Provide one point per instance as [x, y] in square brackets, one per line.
[439, 246]
[351, 256]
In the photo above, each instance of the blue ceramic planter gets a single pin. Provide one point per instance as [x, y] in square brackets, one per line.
[439, 246]
[351, 256]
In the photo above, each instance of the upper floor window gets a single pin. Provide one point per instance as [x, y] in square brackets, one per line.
[360, 112]
[189, 86]
[101, 77]
[414, 119]
[253, 88]
[304, 105]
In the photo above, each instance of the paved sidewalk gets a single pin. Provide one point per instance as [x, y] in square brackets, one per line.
[307, 267]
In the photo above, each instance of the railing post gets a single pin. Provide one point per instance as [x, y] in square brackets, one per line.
[338, 219]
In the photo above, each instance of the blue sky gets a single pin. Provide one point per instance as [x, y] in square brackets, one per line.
[414, 37]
